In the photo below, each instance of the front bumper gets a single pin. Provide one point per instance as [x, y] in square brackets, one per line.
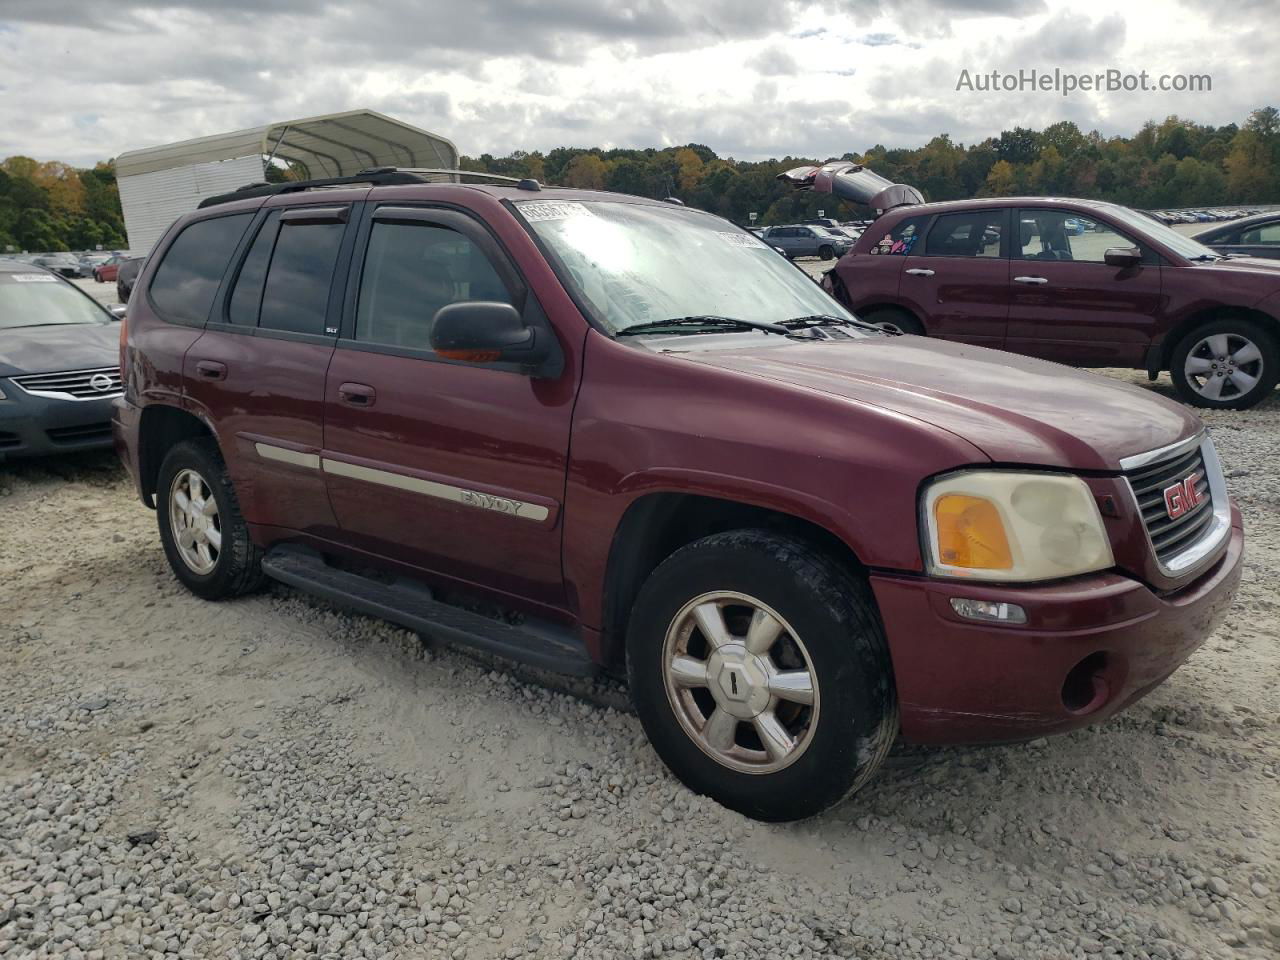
[40, 426]
[1090, 648]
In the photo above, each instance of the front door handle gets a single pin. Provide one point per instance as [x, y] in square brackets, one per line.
[211, 370]
[357, 394]
[1035, 280]
[920, 272]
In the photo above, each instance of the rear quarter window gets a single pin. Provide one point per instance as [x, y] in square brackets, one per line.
[900, 239]
[187, 278]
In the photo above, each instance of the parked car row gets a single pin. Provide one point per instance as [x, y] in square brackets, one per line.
[799, 538]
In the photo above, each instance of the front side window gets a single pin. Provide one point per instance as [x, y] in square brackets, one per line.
[639, 263]
[1045, 234]
[1266, 234]
[295, 295]
[411, 270]
[187, 279]
[974, 233]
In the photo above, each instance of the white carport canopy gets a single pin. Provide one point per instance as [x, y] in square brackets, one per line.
[334, 145]
[160, 184]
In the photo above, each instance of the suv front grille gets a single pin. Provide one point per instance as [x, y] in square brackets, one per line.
[96, 384]
[1181, 542]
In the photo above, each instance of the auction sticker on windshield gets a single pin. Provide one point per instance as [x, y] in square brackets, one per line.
[537, 210]
[34, 278]
[740, 239]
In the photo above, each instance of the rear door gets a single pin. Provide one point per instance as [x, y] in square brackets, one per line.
[452, 467]
[958, 282]
[259, 368]
[1067, 305]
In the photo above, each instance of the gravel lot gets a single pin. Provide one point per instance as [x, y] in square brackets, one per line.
[275, 778]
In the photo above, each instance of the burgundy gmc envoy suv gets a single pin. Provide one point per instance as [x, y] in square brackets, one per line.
[593, 432]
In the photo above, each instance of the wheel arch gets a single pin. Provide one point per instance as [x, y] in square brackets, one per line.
[657, 524]
[160, 427]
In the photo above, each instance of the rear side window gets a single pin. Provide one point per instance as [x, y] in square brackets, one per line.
[410, 272]
[974, 233]
[295, 296]
[246, 297]
[902, 238]
[187, 278]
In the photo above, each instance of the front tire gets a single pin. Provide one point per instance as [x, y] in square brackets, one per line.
[826, 252]
[205, 538]
[1229, 364]
[893, 321]
[759, 669]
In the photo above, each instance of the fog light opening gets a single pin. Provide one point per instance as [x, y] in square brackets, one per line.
[988, 610]
[1086, 689]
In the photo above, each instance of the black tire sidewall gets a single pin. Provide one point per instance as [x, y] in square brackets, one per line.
[851, 667]
[826, 252]
[1266, 342]
[228, 571]
[902, 320]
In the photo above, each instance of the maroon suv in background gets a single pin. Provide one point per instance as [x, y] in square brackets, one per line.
[1077, 281]
[596, 432]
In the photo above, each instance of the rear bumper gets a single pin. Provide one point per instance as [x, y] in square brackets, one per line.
[40, 426]
[1090, 648]
[125, 420]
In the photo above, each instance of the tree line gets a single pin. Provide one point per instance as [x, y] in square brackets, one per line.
[1174, 163]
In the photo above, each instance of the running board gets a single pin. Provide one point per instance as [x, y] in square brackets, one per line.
[538, 643]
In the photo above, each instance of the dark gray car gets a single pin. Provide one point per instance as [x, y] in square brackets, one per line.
[803, 240]
[1257, 236]
[59, 365]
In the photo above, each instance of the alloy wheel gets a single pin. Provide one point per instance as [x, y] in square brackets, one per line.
[1224, 366]
[740, 682]
[194, 520]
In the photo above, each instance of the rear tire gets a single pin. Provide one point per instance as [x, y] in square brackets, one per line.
[894, 321]
[205, 538]
[1229, 364]
[780, 734]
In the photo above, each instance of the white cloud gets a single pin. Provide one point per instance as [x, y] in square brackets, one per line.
[80, 81]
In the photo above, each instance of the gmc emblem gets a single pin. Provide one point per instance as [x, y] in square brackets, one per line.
[1182, 497]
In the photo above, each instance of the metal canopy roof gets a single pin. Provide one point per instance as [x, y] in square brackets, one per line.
[333, 145]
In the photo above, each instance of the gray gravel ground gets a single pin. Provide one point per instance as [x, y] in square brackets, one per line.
[275, 778]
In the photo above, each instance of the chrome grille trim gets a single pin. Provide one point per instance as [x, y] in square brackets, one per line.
[1182, 546]
[72, 384]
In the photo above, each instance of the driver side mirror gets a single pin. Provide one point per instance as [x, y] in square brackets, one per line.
[117, 311]
[484, 331]
[1122, 257]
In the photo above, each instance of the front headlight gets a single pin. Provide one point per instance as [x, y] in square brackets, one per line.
[992, 525]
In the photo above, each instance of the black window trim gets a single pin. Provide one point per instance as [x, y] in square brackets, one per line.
[222, 282]
[463, 221]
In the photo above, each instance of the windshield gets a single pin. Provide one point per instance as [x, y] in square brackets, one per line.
[38, 299]
[640, 263]
[1175, 241]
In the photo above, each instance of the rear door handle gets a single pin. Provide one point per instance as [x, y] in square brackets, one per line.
[357, 394]
[211, 369]
[1035, 280]
[920, 272]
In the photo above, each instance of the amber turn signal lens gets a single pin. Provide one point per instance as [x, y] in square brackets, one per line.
[971, 533]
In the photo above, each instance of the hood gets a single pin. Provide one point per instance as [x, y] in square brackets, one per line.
[1236, 265]
[50, 349]
[1015, 409]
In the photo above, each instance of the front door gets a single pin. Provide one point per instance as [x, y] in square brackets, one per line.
[453, 467]
[1067, 305]
[259, 367]
[958, 283]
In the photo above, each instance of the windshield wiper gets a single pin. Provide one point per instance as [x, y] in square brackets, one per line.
[1205, 258]
[706, 320]
[827, 320]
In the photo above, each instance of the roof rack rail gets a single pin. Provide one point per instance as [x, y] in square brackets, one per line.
[376, 176]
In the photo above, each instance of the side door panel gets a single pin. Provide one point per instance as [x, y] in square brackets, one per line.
[960, 292]
[455, 468]
[1080, 310]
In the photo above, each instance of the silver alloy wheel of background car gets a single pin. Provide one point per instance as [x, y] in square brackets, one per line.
[740, 682]
[1223, 366]
[194, 521]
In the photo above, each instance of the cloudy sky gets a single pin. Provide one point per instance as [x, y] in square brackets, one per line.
[82, 80]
